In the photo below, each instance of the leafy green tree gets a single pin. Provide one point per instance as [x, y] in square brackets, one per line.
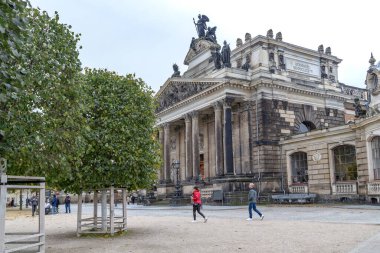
[13, 37]
[80, 131]
[44, 120]
[121, 149]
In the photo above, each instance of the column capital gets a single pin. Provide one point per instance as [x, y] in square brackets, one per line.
[187, 117]
[248, 104]
[227, 101]
[166, 126]
[194, 114]
[217, 105]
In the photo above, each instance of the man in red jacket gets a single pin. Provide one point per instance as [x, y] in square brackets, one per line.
[197, 203]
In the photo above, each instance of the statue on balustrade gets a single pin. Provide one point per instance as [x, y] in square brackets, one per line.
[226, 55]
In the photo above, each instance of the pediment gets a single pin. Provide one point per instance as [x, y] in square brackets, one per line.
[174, 91]
[197, 47]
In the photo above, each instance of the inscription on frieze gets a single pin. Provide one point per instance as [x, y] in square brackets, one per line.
[302, 67]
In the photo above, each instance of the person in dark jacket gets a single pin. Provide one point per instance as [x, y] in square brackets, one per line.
[34, 203]
[68, 203]
[54, 204]
[197, 203]
[252, 199]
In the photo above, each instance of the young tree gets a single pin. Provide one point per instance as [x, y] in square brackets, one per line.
[121, 150]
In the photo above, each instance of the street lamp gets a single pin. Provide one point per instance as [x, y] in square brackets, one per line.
[175, 167]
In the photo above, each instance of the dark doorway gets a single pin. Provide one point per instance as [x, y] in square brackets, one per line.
[202, 166]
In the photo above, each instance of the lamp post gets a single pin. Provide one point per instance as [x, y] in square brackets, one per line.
[175, 167]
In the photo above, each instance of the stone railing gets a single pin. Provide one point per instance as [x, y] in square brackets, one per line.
[345, 188]
[373, 188]
[298, 189]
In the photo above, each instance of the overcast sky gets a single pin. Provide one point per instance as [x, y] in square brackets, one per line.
[146, 37]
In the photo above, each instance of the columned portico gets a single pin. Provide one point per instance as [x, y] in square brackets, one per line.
[167, 152]
[228, 155]
[161, 140]
[188, 148]
[218, 139]
[195, 144]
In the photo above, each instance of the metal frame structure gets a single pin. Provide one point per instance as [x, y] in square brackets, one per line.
[16, 242]
[107, 223]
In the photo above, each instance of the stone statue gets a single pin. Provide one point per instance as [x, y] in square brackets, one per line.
[323, 72]
[328, 50]
[359, 112]
[248, 37]
[201, 25]
[270, 33]
[226, 55]
[176, 73]
[216, 56]
[247, 64]
[192, 44]
[210, 35]
[320, 49]
[281, 62]
[279, 36]
[239, 42]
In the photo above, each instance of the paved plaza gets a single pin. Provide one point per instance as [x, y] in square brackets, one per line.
[304, 228]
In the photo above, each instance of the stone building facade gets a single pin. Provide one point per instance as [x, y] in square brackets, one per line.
[228, 126]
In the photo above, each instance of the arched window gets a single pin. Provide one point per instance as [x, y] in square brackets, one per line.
[345, 163]
[306, 126]
[299, 167]
[375, 144]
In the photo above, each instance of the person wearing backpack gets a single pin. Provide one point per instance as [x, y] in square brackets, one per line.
[67, 203]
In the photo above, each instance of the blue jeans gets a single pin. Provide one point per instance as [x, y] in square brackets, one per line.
[253, 206]
[67, 206]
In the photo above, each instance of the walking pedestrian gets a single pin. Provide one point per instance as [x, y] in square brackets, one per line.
[197, 203]
[68, 203]
[34, 202]
[252, 198]
[54, 204]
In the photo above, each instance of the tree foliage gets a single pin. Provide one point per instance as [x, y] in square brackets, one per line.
[13, 37]
[121, 150]
[43, 127]
[80, 131]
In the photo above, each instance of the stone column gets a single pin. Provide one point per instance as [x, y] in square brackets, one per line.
[249, 106]
[161, 140]
[188, 148]
[218, 139]
[167, 152]
[228, 155]
[195, 139]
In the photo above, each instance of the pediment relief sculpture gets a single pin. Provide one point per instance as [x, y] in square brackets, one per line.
[178, 91]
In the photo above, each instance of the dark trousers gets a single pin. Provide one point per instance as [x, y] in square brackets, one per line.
[252, 206]
[67, 206]
[34, 208]
[197, 208]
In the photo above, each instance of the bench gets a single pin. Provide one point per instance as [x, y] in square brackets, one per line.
[295, 198]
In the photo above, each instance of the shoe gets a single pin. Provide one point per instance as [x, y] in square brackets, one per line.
[262, 217]
[249, 219]
[193, 221]
[205, 219]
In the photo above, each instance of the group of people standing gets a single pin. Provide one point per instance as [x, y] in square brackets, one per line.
[252, 199]
[50, 206]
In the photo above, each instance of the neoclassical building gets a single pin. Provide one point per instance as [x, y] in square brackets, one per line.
[269, 112]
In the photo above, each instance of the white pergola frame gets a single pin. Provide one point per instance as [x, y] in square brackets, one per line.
[22, 240]
[105, 224]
